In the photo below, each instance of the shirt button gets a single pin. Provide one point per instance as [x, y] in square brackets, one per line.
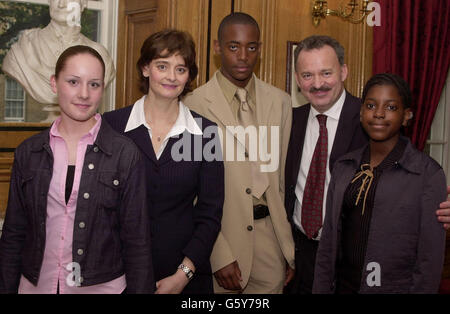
[116, 182]
[248, 191]
[80, 252]
[86, 196]
[82, 225]
[95, 149]
[249, 228]
[91, 166]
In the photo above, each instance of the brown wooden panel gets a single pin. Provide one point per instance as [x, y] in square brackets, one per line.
[294, 22]
[137, 20]
[219, 9]
[192, 16]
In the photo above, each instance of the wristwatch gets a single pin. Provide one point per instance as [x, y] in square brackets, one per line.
[187, 271]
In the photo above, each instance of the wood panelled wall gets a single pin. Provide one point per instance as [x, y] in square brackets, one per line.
[11, 135]
[280, 21]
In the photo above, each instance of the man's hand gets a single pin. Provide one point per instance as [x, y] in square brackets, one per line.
[229, 277]
[289, 274]
[443, 212]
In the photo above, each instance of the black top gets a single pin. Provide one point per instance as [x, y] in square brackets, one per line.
[355, 218]
[69, 181]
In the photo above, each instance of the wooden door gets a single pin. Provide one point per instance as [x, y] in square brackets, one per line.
[137, 20]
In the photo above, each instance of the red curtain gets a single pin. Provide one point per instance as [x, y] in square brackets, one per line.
[413, 41]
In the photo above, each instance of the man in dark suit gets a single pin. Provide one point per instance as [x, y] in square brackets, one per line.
[320, 73]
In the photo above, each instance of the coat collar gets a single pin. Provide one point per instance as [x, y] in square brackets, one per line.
[223, 113]
[410, 160]
[218, 104]
[103, 140]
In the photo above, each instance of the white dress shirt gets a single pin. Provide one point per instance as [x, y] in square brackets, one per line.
[311, 137]
[185, 121]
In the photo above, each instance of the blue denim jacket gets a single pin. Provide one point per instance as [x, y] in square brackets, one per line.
[111, 204]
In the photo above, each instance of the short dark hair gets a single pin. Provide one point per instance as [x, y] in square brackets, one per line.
[77, 50]
[317, 42]
[393, 80]
[164, 44]
[236, 18]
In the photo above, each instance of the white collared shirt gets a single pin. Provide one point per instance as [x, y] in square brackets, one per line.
[311, 137]
[185, 122]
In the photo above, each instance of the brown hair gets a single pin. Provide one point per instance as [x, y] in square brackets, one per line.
[77, 50]
[318, 42]
[169, 42]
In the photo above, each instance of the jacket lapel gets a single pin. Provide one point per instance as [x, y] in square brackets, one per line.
[166, 155]
[220, 108]
[263, 109]
[348, 122]
[141, 138]
[297, 140]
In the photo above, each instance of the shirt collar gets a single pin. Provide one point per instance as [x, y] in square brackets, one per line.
[229, 89]
[335, 111]
[92, 134]
[185, 120]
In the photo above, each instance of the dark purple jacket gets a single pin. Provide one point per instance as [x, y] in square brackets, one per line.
[116, 232]
[405, 238]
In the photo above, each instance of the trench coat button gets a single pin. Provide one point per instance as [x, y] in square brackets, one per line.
[82, 225]
[80, 252]
[86, 196]
[80, 280]
[116, 182]
[95, 149]
[91, 166]
[249, 228]
[248, 191]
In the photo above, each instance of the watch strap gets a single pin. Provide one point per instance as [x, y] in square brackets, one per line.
[187, 271]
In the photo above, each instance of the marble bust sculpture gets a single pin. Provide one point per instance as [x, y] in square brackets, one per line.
[31, 60]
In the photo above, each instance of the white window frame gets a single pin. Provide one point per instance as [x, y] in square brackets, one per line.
[439, 139]
[108, 36]
[23, 100]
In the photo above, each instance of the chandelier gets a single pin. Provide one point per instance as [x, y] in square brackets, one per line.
[349, 12]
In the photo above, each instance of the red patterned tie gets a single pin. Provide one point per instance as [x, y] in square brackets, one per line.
[315, 183]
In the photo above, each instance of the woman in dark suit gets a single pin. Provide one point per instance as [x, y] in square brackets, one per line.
[184, 165]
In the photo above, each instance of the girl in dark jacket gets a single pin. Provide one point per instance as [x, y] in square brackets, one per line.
[380, 232]
[77, 220]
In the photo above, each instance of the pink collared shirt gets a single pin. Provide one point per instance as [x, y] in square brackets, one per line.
[60, 224]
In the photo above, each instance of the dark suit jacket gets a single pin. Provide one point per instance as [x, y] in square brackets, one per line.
[178, 226]
[349, 136]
